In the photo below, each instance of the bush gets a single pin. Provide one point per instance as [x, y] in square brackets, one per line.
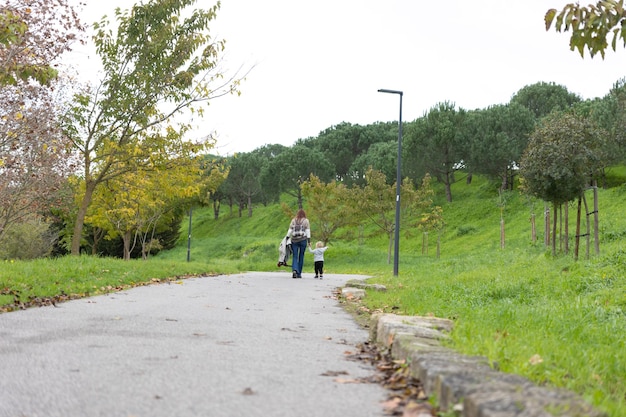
[29, 240]
[466, 230]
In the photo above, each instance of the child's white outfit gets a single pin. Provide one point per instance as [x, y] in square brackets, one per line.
[318, 260]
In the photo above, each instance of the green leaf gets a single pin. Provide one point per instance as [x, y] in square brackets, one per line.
[549, 18]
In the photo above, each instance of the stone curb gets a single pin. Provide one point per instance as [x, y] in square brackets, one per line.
[468, 382]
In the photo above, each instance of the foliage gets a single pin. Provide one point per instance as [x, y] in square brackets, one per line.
[543, 98]
[342, 144]
[137, 205]
[381, 156]
[244, 179]
[288, 170]
[160, 62]
[34, 33]
[497, 137]
[434, 144]
[29, 239]
[610, 114]
[376, 202]
[592, 26]
[564, 152]
[421, 211]
[327, 208]
[34, 160]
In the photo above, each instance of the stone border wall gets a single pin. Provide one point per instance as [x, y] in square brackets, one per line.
[468, 383]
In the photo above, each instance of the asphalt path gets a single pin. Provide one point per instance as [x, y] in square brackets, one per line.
[253, 344]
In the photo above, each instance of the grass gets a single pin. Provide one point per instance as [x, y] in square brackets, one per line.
[44, 280]
[554, 320]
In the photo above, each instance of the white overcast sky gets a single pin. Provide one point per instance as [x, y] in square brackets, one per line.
[317, 64]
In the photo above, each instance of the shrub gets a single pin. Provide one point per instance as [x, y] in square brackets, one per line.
[29, 240]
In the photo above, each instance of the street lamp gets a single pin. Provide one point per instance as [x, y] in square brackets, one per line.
[396, 249]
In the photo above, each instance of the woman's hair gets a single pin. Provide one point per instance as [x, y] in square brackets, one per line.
[319, 244]
[300, 214]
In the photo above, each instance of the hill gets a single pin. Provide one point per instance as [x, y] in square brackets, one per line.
[555, 320]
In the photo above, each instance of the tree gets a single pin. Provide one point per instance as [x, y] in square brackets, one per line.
[339, 144]
[267, 153]
[34, 157]
[610, 114]
[214, 174]
[33, 34]
[434, 144]
[564, 153]
[376, 201]
[381, 156]
[543, 98]
[136, 205]
[592, 26]
[496, 138]
[327, 208]
[288, 170]
[156, 66]
[423, 214]
[342, 144]
[244, 179]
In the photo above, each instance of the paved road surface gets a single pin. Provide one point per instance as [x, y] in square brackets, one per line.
[253, 344]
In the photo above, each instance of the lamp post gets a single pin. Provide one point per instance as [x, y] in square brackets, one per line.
[189, 235]
[396, 248]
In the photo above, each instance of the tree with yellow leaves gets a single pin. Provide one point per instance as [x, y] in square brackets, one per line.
[136, 205]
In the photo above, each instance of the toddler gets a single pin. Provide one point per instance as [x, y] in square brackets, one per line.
[318, 258]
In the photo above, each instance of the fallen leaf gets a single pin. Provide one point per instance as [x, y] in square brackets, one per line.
[414, 409]
[392, 403]
[334, 373]
[348, 381]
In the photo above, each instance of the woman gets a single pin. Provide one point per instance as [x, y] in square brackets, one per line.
[300, 234]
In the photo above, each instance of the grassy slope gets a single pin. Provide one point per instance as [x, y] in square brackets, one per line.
[555, 320]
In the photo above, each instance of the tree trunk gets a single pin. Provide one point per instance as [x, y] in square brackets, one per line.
[577, 244]
[389, 249]
[554, 221]
[126, 239]
[560, 228]
[502, 238]
[566, 237]
[596, 218]
[98, 233]
[216, 209]
[588, 235]
[546, 228]
[438, 244]
[249, 205]
[299, 197]
[533, 229]
[505, 181]
[77, 237]
[448, 191]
